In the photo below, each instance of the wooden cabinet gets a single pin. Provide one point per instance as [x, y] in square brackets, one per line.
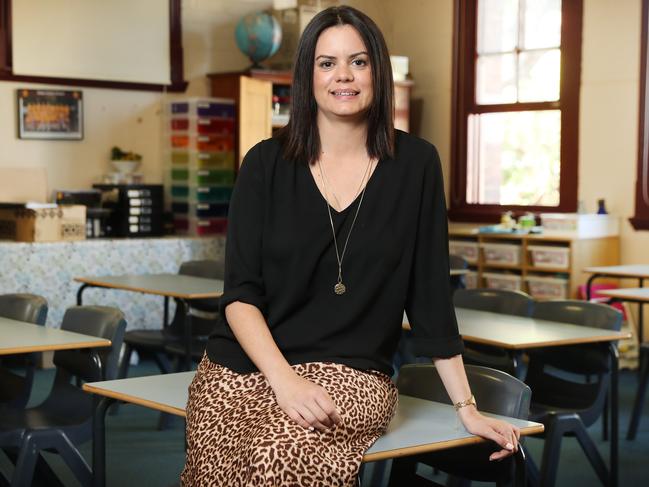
[253, 95]
[546, 266]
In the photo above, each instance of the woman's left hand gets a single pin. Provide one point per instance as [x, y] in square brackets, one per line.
[504, 434]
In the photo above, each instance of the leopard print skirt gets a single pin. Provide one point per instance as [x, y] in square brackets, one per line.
[237, 435]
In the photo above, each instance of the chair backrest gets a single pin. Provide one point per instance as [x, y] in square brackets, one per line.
[584, 389]
[97, 321]
[495, 391]
[495, 300]
[24, 307]
[457, 262]
[202, 326]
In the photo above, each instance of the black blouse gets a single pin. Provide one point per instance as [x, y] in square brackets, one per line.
[280, 258]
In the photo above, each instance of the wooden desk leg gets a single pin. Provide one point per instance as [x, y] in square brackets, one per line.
[100, 405]
[612, 348]
[80, 294]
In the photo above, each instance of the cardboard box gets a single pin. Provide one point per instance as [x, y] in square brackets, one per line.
[42, 223]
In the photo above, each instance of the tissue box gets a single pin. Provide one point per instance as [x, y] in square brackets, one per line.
[42, 223]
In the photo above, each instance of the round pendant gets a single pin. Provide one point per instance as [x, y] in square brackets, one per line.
[339, 288]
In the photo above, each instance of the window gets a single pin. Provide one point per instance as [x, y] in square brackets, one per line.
[640, 220]
[516, 107]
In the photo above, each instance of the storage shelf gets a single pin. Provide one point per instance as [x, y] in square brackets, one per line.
[583, 252]
[553, 270]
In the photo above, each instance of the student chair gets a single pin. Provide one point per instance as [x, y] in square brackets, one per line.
[569, 385]
[457, 262]
[204, 312]
[64, 419]
[638, 403]
[30, 308]
[496, 392]
[496, 301]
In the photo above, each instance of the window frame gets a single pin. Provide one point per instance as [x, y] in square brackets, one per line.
[178, 83]
[640, 219]
[464, 104]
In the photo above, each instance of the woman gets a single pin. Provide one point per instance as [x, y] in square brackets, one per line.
[336, 226]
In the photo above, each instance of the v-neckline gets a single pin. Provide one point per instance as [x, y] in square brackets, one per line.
[346, 208]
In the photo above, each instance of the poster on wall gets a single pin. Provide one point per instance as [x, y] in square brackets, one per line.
[50, 114]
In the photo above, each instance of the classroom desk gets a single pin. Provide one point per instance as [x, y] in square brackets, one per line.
[459, 272]
[633, 271]
[418, 426]
[181, 287]
[19, 337]
[520, 333]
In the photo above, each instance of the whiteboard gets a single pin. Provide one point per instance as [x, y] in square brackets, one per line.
[113, 40]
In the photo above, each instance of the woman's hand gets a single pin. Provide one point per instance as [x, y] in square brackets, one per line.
[306, 403]
[504, 434]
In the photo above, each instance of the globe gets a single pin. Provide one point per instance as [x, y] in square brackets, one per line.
[258, 36]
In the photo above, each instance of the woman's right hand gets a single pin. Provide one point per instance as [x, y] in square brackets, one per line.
[306, 403]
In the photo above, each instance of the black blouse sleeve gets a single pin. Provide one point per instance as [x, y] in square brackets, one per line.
[243, 250]
[429, 305]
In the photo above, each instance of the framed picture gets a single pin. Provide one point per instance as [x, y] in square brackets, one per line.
[50, 114]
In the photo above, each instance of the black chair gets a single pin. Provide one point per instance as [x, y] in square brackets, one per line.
[496, 392]
[569, 385]
[640, 394]
[496, 301]
[16, 388]
[64, 419]
[156, 342]
[457, 262]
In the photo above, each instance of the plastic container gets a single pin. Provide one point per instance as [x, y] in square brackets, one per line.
[541, 287]
[499, 253]
[201, 194]
[546, 256]
[201, 177]
[206, 126]
[202, 160]
[200, 226]
[203, 107]
[582, 225]
[496, 280]
[200, 210]
[471, 280]
[466, 249]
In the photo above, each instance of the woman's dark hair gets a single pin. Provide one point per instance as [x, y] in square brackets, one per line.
[300, 138]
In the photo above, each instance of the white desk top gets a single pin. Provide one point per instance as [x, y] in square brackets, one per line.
[19, 337]
[516, 332]
[627, 294]
[459, 272]
[632, 270]
[418, 426]
[172, 285]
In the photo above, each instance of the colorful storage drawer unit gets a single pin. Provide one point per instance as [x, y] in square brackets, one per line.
[212, 107]
[200, 226]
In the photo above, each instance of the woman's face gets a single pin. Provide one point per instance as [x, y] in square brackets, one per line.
[342, 75]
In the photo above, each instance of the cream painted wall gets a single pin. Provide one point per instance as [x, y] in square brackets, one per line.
[129, 119]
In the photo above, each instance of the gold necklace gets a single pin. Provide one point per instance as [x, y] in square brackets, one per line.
[339, 287]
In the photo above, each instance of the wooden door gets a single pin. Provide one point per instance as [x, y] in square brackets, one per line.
[255, 103]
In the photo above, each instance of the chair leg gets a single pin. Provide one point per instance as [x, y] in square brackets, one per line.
[26, 462]
[592, 454]
[555, 429]
[163, 363]
[638, 403]
[605, 419]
